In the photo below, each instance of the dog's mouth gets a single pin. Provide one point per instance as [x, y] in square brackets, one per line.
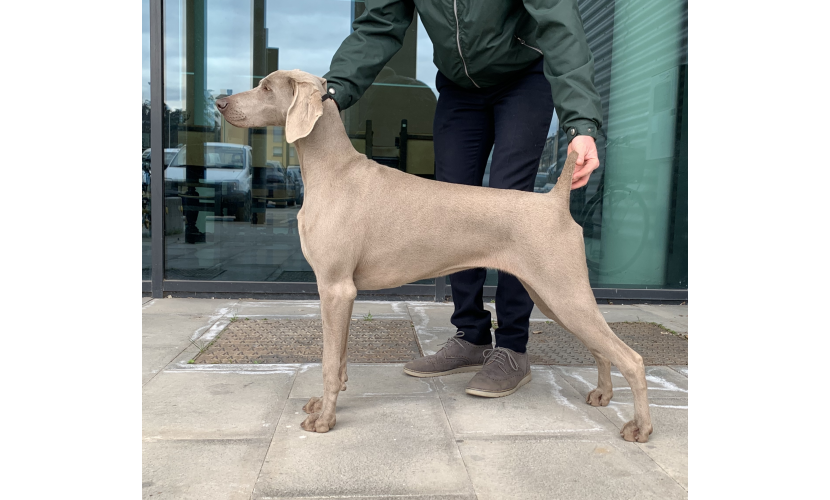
[231, 113]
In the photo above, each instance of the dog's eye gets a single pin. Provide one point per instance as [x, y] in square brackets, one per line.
[265, 87]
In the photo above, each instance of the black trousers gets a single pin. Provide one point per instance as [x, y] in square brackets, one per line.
[514, 115]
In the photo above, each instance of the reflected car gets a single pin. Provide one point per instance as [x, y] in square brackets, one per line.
[226, 184]
[169, 154]
[542, 183]
[553, 177]
[298, 180]
[281, 186]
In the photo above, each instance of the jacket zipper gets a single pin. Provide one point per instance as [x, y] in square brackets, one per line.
[458, 42]
[528, 46]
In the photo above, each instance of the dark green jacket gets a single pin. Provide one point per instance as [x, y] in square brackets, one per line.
[478, 43]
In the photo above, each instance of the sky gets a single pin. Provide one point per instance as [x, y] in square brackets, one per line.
[307, 33]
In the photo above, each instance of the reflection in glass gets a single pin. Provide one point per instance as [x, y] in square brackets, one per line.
[634, 211]
[232, 195]
[146, 244]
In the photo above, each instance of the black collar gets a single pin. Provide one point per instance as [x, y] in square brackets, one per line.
[327, 96]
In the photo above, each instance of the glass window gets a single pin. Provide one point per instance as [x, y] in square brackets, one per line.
[234, 194]
[634, 209]
[146, 243]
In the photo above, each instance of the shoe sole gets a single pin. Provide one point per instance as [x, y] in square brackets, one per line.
[501, 394]
[462, 369]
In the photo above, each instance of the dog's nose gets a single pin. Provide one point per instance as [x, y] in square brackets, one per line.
[221, 104]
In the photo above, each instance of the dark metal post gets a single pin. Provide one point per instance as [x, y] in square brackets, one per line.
[403, 145]
[369, 141]
[156, 143]
[258, 136]
[440, 284]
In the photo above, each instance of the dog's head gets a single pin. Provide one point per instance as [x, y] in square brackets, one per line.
[284, 98]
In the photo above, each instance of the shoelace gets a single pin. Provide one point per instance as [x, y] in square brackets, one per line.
[454, 339]
[499, 354]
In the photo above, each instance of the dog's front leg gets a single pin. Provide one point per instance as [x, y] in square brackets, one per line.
[336, 302]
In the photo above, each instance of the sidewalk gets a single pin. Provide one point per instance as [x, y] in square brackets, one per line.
[232, 431]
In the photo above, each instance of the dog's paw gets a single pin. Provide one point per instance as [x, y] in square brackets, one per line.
[598, 397]
[635, 433]
[316, 423]
[314, 405]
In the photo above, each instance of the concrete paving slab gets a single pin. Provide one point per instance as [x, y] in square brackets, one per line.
[383, 497]
[550, 468]
[432, 324]
[279, 308]
[671, 316]
[671, 311]
[663, 383]
[159, 330]
[300, 309]
[365, 380]
[546, 406]
[201, 469]
[380, 309]
[381, 447]
[617, 313]
[192, 307]
[154, 359]
[145, 300]
[185, 404]
[535, 314]
[668, 445]
[681, 369]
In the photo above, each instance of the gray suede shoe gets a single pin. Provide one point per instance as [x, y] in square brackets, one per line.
[504, 372]
[456, 356]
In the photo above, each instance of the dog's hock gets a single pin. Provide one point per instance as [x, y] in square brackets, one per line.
[306, 108]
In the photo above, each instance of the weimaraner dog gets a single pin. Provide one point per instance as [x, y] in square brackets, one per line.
[364, 226]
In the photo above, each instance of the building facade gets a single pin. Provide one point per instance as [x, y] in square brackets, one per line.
[220, 206]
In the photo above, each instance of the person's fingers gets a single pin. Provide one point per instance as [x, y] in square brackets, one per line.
[580, 160]
[582, 175]
[591, 164]
[583, 172]
[578, 184]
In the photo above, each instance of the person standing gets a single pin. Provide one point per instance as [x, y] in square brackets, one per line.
[502, 67]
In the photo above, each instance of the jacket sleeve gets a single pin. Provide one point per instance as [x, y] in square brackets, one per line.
[377, 36]
[569, 64]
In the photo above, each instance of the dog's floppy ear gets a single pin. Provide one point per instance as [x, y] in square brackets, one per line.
[305, 109]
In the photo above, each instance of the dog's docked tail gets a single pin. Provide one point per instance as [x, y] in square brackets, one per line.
[562, 190]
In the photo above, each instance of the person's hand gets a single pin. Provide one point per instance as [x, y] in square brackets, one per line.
[586, 162]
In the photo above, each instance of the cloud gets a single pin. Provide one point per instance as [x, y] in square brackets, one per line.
[307, 34]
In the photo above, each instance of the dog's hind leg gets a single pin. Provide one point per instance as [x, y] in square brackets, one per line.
[600, 396]
[576, 310]
[336, 301]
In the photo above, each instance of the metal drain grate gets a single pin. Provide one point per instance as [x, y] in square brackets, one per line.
[301, 341]
[394, 341]
[555, 346]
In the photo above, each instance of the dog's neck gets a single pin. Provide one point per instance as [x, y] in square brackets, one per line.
[326, 150]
